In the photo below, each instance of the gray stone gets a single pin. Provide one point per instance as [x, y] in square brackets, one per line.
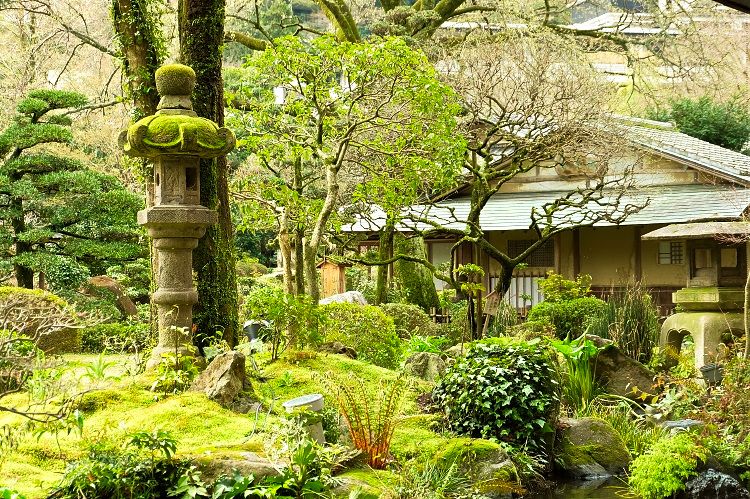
[457, 351]
[348, 297]
[715, 485]
[338, 348]
[681, 424]
[590, 448]
[223, 379]
[213, 465]
[618, 373]
[425, 365]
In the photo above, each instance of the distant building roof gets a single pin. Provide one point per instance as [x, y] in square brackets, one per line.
[512, 211]
[666, 140]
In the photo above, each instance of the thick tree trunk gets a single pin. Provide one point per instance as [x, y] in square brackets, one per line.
[299, 257]
[385, 250]
[201, 29]
[24, 275]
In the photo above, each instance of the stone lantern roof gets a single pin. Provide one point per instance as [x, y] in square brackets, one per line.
[175, 129]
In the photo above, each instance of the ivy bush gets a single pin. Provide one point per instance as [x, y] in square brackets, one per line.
[366, 329]
[664, 468]
[504, 389]
[410, 320]
[570, 317]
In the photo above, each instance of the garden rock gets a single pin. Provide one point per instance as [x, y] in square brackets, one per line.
[226, 463]
[457, 351]
[223, 379]
[590, 448]
[425, 365]
[715, 485]
[338, 348]
[348, 297]
[620, 374]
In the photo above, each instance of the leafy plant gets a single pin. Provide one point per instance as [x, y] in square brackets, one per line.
[116, 337]
[174, 373]
[366, 329]
[371, 417]
[96, 370]
[431, 344]
[431, 480]
[579, 388]
[504, 320]
[504, 389]
[664, 468]
[143, 468]
[6, 493]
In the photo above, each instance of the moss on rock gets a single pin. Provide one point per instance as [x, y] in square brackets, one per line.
[590, 446]
[175, 79]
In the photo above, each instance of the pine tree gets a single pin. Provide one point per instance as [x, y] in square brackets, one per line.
[57, 216]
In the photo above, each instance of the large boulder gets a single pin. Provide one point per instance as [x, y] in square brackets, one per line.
[425, 365]
[713, 484]
[224, 378]
[589, 448]
[618, 373]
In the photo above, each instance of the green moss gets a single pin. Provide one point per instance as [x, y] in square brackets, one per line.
[175, 79]
[372, 483]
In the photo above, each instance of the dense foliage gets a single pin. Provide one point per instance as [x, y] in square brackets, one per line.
[504, 389]
[569, 317]
[726, 124]
[409, 319]
[665, 467]
[116, 337]
[366, 329]
[58, 216]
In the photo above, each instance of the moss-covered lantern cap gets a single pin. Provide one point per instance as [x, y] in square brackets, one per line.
[175, 129]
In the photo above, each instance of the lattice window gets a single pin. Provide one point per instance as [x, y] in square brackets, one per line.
[542, 256]
[671, 253]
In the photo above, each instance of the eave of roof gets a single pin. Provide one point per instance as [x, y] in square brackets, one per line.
[703, 230]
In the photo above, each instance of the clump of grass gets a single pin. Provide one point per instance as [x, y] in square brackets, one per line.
[630, 320]
[636, 431]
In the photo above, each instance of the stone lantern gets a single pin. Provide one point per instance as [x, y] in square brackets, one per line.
[175, 139]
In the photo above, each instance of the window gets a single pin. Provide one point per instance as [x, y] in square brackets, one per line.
[671, 253]
[728, 257]
[542, 256]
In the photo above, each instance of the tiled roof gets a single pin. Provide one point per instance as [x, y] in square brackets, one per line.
[705, 156]
[512, 211]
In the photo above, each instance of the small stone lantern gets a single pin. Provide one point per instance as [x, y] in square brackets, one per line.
[175, 139]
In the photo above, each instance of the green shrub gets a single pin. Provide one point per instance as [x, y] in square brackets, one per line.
[410, 320]
[556, 288]
[570, 317]
[250, 267]
[504, 389]
[631, 321]
[666, 466]
[294, 320]
[366, 329]
[116, 337]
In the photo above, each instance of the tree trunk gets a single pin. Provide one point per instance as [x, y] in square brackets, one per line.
[201, 30]
[385, 250]
[24, 274]
[299, 257]
[311, 272]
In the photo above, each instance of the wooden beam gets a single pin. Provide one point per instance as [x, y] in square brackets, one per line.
[576, 252]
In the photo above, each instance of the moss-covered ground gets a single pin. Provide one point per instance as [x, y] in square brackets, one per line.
[117, 407]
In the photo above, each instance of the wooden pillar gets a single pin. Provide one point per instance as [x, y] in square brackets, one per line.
[638, 271]
[576, 252]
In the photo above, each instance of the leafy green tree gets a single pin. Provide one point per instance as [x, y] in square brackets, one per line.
[358, 121]
[58, 217]
[725, 124]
